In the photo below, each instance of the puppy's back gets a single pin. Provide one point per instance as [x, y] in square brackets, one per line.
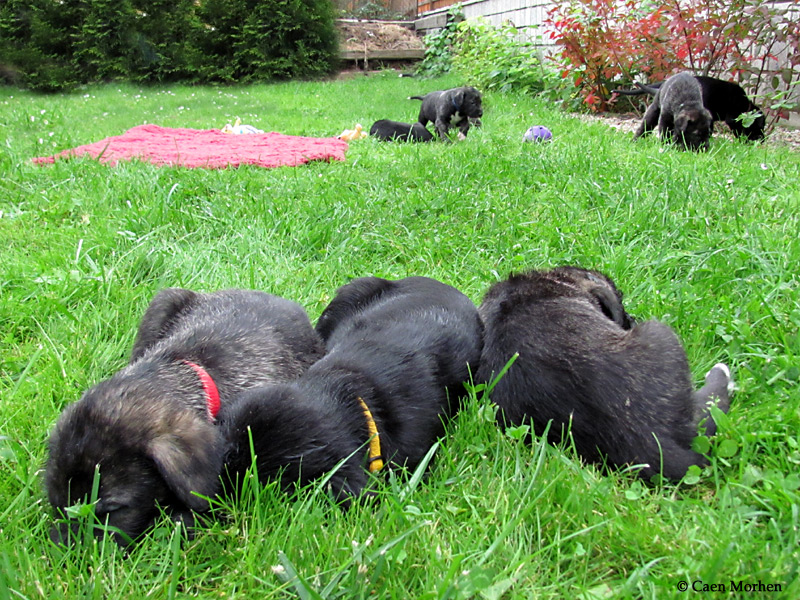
[624, 394]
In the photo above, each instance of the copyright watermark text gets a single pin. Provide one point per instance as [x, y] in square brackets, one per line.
[698, 585]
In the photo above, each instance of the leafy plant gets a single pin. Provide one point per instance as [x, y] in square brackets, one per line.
[605, 44]
[497, 58]
[439, 46]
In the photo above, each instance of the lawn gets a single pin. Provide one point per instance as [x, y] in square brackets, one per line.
[707, 243]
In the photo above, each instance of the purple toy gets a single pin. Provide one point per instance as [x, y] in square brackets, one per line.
[537, 133]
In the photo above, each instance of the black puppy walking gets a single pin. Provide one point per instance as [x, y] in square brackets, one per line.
[622, 390]
[150, 429]
[458, 106]
[398, 353]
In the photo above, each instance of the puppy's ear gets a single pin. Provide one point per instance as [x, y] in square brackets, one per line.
[349, 300]
[164, 311]
[189, 458]
[611, 306]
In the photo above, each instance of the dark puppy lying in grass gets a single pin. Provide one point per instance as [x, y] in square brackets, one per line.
[150, 431]
[398, 353]
[622, 390]
[459, 107]
[390, 131]
[725, 100]
[678, 110]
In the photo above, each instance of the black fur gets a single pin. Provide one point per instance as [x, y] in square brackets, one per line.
[404, 347]
[622, 389]
[678, 110]
[460, 106]
[147, 427]
[389, 131]
[725, 100]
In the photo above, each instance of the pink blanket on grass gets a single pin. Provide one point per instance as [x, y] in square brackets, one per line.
[209, 149]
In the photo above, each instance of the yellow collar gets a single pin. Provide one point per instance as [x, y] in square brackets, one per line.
[375, 461]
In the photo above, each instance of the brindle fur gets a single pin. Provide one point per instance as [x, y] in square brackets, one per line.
[622, 390]
[725, 100]
[146, 429]
[678, 110]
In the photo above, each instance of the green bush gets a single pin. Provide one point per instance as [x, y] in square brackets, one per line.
[489, 57]
[35, 44]
[100, 49]
[497, 58]
[252, 40]
[160, 41]
[438, 59]
[48, 45]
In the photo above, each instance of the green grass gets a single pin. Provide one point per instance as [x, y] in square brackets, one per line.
[706, 242]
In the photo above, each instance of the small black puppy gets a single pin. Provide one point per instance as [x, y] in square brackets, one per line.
[150, 429]
[622, 390]
[398, 353]
[725, 100]
[390, 131]
[458, 106]
[678, 110]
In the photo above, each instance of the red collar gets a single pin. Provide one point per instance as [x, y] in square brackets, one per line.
[209, 387]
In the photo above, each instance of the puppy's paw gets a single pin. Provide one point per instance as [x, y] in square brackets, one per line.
[719, 375]
[461, 136]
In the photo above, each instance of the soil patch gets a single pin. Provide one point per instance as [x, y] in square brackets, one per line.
[377, 35]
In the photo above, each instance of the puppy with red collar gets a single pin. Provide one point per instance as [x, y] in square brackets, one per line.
[149, 432]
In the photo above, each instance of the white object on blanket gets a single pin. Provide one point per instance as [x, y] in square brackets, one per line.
[238, 128]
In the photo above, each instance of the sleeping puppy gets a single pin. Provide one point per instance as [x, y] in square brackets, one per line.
[622, 390]
[150, 429]
[455, 107]
[390, 131]
[678, 110]
[725, 100]
[398, 353]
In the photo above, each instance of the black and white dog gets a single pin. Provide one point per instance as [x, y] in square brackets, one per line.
[725, 100]
[461, 107]
[678, 110]
[398, 353]
[150, 430]
[621, 391]
[391, 131]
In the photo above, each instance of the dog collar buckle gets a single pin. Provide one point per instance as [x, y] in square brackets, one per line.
[210, 389]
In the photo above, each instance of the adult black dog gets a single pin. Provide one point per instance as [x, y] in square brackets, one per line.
[678, 110]
[725, 100]
[460, 106]
[622, 390]
[150, 430]
[398, 353]
[391, 131]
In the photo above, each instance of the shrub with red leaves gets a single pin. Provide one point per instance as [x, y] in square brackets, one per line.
[605, 44]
